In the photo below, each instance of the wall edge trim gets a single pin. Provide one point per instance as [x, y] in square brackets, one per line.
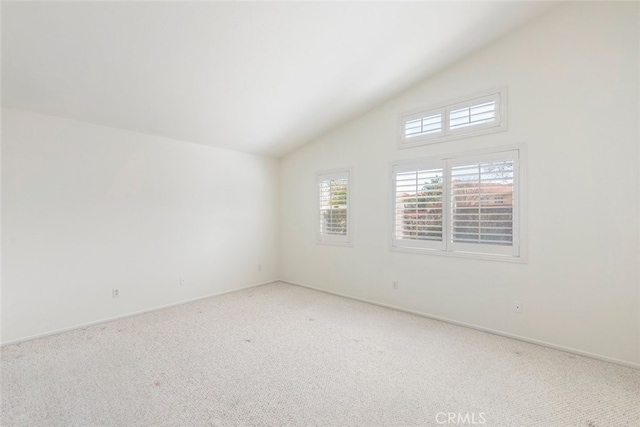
[124, 316]
[478, 328]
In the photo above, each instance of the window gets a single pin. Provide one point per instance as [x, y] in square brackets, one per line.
[334, 224]
[462, 204]
[418, 197]
[474, 115]
[421, 124]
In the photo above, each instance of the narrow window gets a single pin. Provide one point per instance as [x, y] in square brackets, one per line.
[333, 207]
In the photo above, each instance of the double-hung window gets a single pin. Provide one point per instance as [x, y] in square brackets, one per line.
[463, 204]
[473, 115]
[334, 222]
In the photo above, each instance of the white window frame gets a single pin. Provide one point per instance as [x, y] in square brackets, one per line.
[515, 253]
[334, 239]
[499, 124]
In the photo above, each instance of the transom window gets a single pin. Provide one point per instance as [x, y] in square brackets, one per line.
[473, 115]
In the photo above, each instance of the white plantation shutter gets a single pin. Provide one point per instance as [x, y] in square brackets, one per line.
[424, 123]
[474, 115]
[418, 200]
[466, 204]
[483, 200]
[333, 207]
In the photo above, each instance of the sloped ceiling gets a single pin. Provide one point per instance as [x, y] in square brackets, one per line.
[259, 77]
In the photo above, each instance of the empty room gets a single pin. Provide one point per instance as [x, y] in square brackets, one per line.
[320, 213]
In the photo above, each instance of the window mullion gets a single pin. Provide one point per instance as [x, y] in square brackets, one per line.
[479, 190]
[446, 124]
[446, 204]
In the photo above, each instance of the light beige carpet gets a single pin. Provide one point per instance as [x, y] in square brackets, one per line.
[281, 355]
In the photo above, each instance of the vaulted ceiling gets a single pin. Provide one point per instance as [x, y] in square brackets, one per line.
[259, 77]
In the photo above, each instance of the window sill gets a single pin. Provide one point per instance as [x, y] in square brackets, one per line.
[469, 255]
[418, 141]
[330, 243]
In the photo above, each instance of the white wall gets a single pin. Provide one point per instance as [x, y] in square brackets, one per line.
[87, 208]
[573, 99]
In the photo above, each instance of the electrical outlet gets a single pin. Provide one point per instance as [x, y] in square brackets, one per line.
[259, 267]
[395, 284]
[183, 281]
[517, 307]
[115, 293]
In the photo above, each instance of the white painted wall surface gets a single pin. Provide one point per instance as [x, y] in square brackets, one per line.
[574, 100]
[87, 208]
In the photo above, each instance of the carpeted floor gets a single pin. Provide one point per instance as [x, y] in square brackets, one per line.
[281, 355]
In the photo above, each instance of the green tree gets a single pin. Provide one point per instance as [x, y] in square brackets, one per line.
[335, 216]
[338, 193]
[432, 195]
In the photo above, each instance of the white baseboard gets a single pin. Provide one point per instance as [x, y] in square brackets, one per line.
[123, 316]
[477, 327]
[418, 313]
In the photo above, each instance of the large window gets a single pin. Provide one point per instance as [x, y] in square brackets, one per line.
[473, 115]
[467, 204]
[334, 224]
